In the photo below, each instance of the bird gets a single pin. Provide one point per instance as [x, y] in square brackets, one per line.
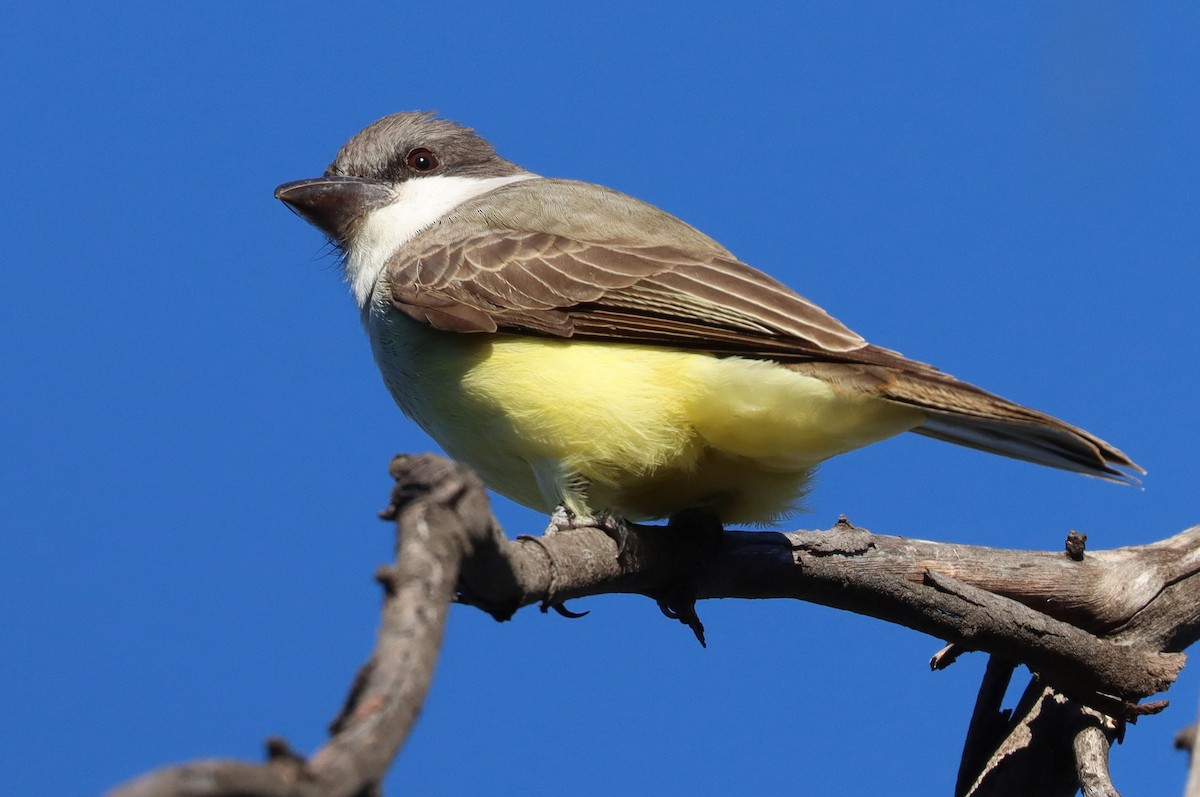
[591, 355]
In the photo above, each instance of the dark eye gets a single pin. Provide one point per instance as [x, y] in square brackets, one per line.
[421, 160]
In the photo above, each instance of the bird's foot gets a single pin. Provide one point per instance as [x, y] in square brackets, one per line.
[561, 519]
[701, 524]
[614, 526]
[701, 528]
[681, 606]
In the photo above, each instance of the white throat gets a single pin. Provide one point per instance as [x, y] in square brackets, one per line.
[418, 203]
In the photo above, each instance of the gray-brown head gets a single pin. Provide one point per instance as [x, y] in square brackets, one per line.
[415, 144]
[376, 162]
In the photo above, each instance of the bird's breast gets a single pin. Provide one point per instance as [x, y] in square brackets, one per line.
[653, 430]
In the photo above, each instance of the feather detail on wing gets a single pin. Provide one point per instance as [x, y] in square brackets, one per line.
[569, 259]
[548, 284]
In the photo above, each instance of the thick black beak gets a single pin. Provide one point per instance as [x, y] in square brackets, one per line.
[334, 204]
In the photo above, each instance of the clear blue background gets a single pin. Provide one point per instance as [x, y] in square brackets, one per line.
[195, 438]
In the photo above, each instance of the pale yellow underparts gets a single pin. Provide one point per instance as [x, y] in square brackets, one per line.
[651, 431]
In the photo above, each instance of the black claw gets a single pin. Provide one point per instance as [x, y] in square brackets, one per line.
[702, 528]
[615, 527]
[685, 612]
[561, 609]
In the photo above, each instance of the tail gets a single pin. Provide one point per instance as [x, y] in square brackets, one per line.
[1044, 440]
[959, 412]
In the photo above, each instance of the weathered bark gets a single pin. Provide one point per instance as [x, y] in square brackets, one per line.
[1100, 630]
[442, 513]
[1080, 625]
[1052, 747]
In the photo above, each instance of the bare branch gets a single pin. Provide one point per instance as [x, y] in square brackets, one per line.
[1091, 761]
[1101, 629]
[978, 597]
[989, 723]
[1053, 747]
[442, 516]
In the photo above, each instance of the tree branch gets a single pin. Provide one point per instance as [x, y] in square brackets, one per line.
[979, 597]
[442, 517]
[989, 723]
[1102, 629]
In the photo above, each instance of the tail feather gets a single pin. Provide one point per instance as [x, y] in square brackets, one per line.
[958, 412]
[1050, 442]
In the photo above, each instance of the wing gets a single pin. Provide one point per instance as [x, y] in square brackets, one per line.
[569, 259]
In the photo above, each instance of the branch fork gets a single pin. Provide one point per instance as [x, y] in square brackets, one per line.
[1100, 632]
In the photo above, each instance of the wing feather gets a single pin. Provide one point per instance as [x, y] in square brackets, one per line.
[515, 277]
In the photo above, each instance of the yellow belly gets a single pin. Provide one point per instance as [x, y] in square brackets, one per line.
[642, 431]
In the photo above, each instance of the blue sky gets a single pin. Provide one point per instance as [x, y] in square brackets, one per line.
[196, 439]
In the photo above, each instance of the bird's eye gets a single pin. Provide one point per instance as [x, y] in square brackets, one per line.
[421, 160]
